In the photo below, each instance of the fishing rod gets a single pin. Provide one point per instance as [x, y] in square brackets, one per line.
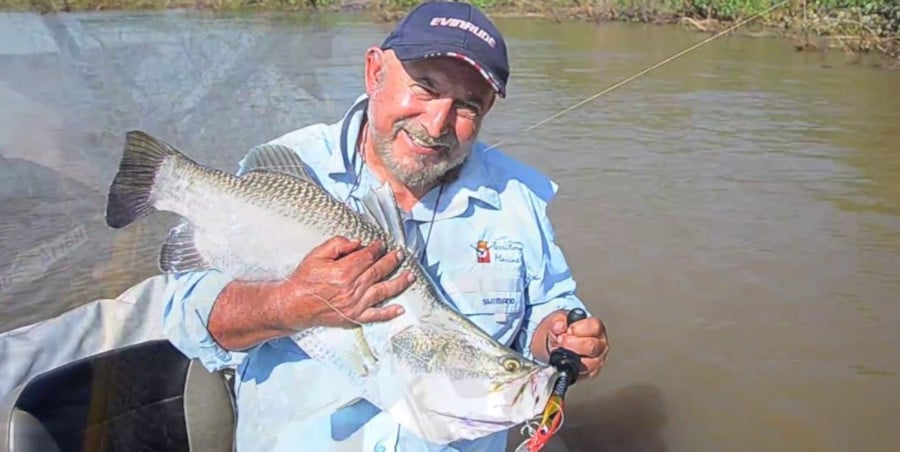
[564, 360]
[567, 363]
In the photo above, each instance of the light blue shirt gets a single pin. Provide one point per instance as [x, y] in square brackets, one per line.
[285, 400]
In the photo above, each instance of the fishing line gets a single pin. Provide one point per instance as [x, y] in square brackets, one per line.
[641, 73]
[336, 310]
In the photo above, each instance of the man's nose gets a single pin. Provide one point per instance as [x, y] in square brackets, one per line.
[438, 116]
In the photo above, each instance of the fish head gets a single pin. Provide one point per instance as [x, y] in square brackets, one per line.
[466, 386]
[498, 387]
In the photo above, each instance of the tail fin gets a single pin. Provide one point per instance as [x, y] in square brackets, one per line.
[129, 194]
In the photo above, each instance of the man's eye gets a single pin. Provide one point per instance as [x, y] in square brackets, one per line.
[467, 110]
[423, 90]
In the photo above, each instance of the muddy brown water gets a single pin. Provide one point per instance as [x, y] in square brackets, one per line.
[734, 216]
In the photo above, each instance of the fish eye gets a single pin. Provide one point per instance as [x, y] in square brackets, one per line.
[511, 364]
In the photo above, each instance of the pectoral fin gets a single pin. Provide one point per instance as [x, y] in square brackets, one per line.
[179, 253]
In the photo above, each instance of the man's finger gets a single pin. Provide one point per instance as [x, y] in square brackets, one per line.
[347, 247]
[370, 253]
[387, 289]
[559, 326]
[380, 269]
[334, 248]
[379, 314]
[589, 327]
[359, 261]
[584, 346]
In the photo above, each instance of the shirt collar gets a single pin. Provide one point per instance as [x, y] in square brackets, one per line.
[474, 181]
[344, 159]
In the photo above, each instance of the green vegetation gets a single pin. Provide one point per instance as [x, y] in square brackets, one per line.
[854, 25]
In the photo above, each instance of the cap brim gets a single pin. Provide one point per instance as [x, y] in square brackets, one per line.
[414, 52]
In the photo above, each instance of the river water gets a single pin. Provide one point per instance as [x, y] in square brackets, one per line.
[734, 215]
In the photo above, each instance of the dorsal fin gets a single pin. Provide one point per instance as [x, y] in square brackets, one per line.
[278, 158]
[380, 206]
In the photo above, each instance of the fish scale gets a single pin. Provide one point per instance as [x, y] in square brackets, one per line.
[431, 369]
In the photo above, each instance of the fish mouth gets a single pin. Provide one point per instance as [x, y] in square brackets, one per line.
[542, 397]
[532, 386]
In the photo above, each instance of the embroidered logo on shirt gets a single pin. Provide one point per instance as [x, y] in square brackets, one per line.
[482, 252]
[498, 301]
[507, 251]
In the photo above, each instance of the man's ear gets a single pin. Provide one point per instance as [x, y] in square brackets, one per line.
[374, 69]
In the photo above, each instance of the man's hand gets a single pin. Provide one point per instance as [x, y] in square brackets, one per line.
[586, 337]
[338, 284]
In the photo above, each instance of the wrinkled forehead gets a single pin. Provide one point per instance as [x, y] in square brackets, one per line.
[450, 75]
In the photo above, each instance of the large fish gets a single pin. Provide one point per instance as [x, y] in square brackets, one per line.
[436, 373]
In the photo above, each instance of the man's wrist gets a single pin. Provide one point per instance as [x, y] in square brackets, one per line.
[276, 299]
[247, 313]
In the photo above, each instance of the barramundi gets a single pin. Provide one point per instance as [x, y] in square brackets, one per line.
[432, 369]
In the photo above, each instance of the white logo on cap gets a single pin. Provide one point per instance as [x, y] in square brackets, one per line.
[464, 25]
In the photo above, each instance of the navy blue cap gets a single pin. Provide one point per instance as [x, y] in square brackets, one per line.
[455, 29]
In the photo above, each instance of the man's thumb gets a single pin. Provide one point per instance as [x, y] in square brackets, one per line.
[558, 327]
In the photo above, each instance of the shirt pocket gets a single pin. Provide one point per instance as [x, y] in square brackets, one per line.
[493, 300]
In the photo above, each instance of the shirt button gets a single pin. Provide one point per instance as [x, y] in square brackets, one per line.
[379, 447]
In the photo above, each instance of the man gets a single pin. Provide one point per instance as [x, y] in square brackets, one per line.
[480, 216]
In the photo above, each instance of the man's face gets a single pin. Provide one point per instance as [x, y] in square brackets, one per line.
[424, 115]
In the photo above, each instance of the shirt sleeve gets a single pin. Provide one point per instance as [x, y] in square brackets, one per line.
[549, 289]
[189, 299]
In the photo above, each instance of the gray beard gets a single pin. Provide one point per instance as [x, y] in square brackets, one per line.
[426, 172]
[419, 176]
